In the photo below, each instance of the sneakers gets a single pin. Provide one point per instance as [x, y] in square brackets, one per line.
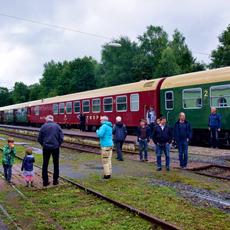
[45, 184]
[107, 177]
[55, 182]
[158, 169]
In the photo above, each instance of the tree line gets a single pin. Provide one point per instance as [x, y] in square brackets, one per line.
[152, 55]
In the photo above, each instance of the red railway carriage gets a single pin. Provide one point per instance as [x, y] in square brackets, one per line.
[130, 101]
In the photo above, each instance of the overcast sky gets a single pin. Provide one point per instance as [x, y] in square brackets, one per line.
[25, 47]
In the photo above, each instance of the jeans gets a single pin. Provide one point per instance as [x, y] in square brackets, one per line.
[166, 149]
[46, 157]
[214, 137]
[106, 157]
[119, 145]
[183, 153]
[143, 146]
[7, 172]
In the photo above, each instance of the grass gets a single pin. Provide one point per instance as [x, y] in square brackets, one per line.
[67, 208]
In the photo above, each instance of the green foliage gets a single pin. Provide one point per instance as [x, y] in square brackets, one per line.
[20, 93]
[220, 57]
[5, 96]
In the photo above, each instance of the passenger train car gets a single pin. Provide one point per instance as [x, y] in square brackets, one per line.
[193, 93]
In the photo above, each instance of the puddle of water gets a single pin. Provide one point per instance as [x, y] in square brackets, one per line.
[2, 138]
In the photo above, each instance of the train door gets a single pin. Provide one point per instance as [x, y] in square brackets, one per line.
[169, 106]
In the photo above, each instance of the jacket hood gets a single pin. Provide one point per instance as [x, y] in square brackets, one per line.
[107, 123]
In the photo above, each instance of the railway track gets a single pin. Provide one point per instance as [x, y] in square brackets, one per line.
[150, 218]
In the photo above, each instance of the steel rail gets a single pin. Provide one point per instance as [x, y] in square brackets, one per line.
[150, 218]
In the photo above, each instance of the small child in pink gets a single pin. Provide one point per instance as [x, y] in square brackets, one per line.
[28, 167]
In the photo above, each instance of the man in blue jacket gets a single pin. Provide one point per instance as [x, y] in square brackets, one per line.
[182, 135]
[106, 141]
[214, 126]
[50, 137]
[162, 137]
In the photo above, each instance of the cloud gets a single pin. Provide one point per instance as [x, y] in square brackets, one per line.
[25, 47]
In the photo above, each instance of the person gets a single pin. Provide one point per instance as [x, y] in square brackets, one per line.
[162, 138]
[9, 153]
[50, 137]
[143, 138]
[106, 142]
[214, 126]
[182, 136]
[82, 118]
[119, 133]
[151, 118]
[28, 167]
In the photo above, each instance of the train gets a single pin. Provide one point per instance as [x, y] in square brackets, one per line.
[192, 93]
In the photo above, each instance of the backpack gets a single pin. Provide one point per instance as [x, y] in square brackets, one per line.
[120, 133]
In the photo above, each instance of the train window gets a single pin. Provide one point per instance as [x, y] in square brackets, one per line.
[134, 102]
[192, 98]
[121, 103]
[108, 104]
[220, 96]
[86, 106]
[96, 105]
[69, 107]
[61, 108]
[55, 108]
[77, 107]
[169, 100]
[37, 110]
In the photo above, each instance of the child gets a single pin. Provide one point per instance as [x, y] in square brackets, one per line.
[28, 167]
[143, 138]
[9, 153]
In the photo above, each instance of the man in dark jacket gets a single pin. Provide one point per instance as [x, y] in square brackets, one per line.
[162, 137]
[119, 135]
[182, 135]
[50, 137]
[82, 118]
[214, 126]
[143, 138]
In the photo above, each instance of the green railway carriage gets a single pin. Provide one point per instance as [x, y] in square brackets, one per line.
[194, 94]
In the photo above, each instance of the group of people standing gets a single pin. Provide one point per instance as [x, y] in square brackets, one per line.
[51, 137]
[159, 131]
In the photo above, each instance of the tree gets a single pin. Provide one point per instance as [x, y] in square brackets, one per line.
[20, 93]
[5, 96]
[168, 64]
[220, 57]
[34, 92]
[83, 74]
[152, 44]
[117, 62]
[183, 55]
[48, 82]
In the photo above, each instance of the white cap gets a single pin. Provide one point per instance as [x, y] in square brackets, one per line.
[104, 118]
[49, 118]
[118, 119]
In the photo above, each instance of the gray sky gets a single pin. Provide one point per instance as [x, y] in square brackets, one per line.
[25, 47]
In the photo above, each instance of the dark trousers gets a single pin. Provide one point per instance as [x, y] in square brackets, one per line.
[183, 153]
[7, 172]
[214, 137]
[143, 147]
[82, 126]
[46, 157]
[159, 150]
[119, 145]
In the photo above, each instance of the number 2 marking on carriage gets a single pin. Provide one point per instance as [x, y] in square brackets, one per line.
[206, 93]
